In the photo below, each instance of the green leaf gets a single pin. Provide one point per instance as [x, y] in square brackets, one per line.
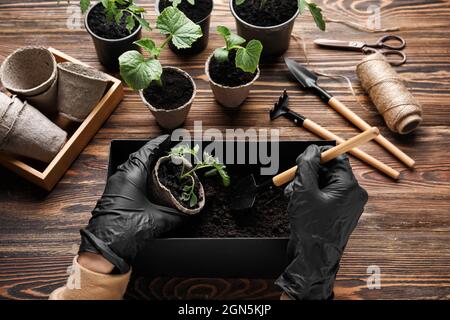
[221, 54]
[247, 59]
[193, 201]
[224, 31]
[316, 12]
[84, 5]
[130, 23]
[191, 2]
[144, 23]
[138, 71]
[239, 2]
[232, 40]
[119, 16]
[150, 46]
[302, 4]
[181, 29]
[175, 3]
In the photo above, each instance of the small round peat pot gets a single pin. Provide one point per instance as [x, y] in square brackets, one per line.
[170, 102]
[238, 83]
[80, 89]
[165, 184]
[274, 32]
[200, 14]
[26, 132]
[31, 74]
[110, 39]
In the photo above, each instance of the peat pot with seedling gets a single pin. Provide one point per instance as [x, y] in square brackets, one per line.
[233, 69]
[168, 92]
[271, 21]
[114, 26]
[199, 11]
[176, 183]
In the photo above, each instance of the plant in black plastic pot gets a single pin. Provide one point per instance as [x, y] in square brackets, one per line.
[199, 11]
[167, 91]
[114, 26]
[175, 180]
[233, 69]
[272, 21]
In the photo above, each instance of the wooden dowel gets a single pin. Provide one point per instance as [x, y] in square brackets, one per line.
[358, 153]
[330, 154]
[361, 124]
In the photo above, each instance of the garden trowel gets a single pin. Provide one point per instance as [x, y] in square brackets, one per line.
[308, 80]
[246, 190]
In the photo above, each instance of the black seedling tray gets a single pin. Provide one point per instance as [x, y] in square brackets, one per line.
[214, 257]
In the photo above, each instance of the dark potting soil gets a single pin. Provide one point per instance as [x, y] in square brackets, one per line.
[196, 13]
[226, 73]
[169, 176]
[175, 91]
[103, 28]
[272, 14]
[268, 218]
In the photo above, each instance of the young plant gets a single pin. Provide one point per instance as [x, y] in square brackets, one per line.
[247, 58]
[175, 3]
[115, 10]
[315, 10]
[139, 71]
[208, 162]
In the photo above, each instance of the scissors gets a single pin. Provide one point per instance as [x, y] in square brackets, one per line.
[381, 45]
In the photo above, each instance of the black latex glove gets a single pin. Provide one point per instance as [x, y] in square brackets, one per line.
[325, 204]
[124, 219]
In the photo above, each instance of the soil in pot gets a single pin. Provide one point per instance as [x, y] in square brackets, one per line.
[196, 13]
[226, 73]
[268, 218]
[273, 13]
[108, 29]
[169, 176]
[175, 91]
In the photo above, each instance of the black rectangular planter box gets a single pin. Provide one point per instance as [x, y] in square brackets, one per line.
[214, 257]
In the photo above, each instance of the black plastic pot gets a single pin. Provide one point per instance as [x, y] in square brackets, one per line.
[214, 257]
[109, 50]
[201, 43]
[275, 39]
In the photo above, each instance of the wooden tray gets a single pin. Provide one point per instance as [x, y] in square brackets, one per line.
[49, 176]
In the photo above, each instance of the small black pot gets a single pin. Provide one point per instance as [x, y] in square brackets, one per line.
[109, 50]
[201, 43]
[275, 39]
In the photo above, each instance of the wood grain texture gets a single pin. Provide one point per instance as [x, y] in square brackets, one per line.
[405, 229]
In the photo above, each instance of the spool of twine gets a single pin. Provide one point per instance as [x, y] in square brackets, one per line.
[400, 110]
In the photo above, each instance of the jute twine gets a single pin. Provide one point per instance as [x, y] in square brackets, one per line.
[400, 110]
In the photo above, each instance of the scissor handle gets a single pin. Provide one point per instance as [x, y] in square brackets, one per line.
[387, 53]
[382, 42]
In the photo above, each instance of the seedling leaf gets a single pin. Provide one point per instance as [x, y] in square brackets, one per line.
[239, 2]
[221, 54]
[316, 12]
[193, 201]
[150, 46]
[84, 5]
[247, 58]
[181, 29]
[138, 71]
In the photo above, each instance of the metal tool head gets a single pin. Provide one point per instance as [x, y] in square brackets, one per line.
[244, 194]
[280, 108]
[304, 76]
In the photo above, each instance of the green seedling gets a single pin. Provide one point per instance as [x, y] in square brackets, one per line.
[115, 10]
[139, 71]
[208, 162]
[247, 58]
[313, 8]
[175, 3]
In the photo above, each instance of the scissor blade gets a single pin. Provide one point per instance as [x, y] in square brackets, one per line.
[338, 44]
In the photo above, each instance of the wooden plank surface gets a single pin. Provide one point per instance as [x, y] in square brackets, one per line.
[405, 229]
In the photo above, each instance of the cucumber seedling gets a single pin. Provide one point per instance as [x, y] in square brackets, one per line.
[247, 58]
[186, 177]
[313, 8]
[139, 71]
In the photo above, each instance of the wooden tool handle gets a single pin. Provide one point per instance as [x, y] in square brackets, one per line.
[327, 135]
[330, 154]
[361, 124]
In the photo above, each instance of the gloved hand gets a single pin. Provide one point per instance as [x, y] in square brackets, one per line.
[325, 204]
[124, 219]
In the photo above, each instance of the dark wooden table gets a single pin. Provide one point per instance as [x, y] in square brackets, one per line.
[405, 229]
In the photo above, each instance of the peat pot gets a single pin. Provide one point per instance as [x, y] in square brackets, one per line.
[212, 256]
[109, 50]
[229, 97]
[275, 39]
[201, 43]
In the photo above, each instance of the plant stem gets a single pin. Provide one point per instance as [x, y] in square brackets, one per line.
[165, 42]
